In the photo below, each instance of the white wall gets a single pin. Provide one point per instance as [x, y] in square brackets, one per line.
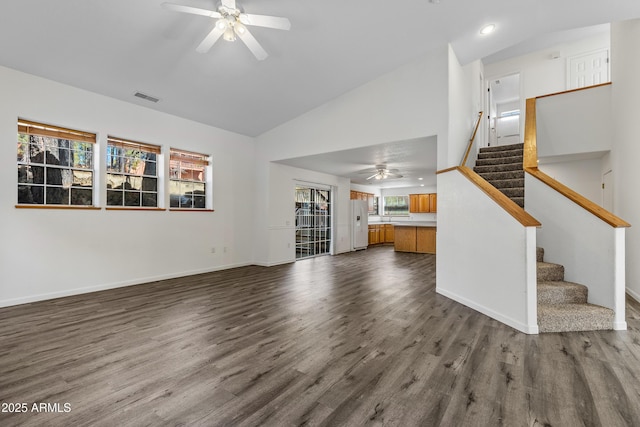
[575, 122]
[541, 75]
[47, 253]
[463, 109]
[625, 69]
[404, 104]
[487, 259]
[582, 176]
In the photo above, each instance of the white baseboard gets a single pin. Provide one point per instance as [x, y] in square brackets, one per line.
[633, 294]
[273, 264]
[106, 286]
[522, 327]
[619, 326]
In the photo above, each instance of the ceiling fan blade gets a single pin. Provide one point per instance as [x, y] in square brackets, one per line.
[210, 40]
[372, 176]
[252, 44]
[191, 10]
[265, 21]
[230, 4]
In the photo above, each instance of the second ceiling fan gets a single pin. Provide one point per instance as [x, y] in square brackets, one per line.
[232, 22]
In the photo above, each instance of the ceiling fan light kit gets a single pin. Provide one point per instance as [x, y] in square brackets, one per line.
[383, 173]
[232, 22]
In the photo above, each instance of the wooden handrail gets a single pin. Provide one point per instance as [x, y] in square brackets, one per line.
[473, 136]
[573, 90]
[530, 164]
[580, 200]
[503, 201]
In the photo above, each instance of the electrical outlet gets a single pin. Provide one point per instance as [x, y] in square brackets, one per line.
[213, 250]
[225, 250]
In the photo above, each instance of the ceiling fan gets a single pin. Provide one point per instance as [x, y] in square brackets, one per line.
[381, 172]
[232, 22]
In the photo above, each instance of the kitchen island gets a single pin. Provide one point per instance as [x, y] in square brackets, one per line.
[415, 236]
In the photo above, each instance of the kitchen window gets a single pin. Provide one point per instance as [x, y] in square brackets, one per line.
[188, 180]
[396, 205]
[55, 165]
[132, 173]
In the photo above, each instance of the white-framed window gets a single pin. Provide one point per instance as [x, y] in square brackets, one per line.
[188, 179]
[55, 165]
[132, 173]
[396, 205]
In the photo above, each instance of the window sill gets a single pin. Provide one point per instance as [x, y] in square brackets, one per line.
[132, 208]
[190, 210]
[90, 208]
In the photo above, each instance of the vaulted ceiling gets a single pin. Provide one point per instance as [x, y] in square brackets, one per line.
[120, 47]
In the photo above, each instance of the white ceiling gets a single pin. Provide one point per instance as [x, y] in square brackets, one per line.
[119, 47]
[415, 160]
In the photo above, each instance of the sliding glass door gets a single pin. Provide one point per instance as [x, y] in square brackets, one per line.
[313, 221]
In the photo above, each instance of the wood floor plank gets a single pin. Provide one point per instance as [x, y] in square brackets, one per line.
[350, 340]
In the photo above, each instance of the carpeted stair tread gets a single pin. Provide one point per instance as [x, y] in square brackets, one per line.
[506, 183]
[518, 201]
[498, 168]
[573, 317]
[517, 192]
[496, 154]
[549, 272]
[561, 293]
[494, 176]
[499, 161]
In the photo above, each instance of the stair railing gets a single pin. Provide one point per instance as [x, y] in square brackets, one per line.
[471, 139]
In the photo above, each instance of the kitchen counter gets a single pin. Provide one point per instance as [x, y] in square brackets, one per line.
[416, 236]
[407, 223]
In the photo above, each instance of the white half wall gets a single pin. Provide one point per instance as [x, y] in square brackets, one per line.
[582, 176]
[46, 253]
[486, 259]
[591, 251]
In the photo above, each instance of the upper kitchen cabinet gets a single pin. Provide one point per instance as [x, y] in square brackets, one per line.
[423, 203]
[369, 197]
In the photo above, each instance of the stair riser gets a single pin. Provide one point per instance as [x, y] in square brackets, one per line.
[513, 192]
[500, 161]
[495, 176]
[550, 273]
[539, 254]
[506, 183]
[494, 154]
[498, 168]
[502, 148]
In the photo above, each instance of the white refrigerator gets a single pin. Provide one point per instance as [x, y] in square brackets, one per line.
[359, 224]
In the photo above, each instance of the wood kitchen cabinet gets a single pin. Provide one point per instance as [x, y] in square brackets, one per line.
[415, 239]
[422, 203]
[388, 233]
[426, 240]
[374, 234]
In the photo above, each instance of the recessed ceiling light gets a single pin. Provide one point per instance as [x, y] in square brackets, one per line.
[419, 179]
[487, 29]
[421, 185]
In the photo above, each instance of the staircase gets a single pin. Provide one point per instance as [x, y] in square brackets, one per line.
[563, 306]
[501, 166]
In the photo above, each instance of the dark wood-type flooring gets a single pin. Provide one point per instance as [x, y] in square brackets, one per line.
[349, 340]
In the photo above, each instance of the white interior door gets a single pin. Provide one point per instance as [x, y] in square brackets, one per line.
[588, 69]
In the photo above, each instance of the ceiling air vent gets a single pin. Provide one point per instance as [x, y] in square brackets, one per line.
[146, 97]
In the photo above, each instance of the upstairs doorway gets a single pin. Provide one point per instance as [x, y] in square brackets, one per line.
[504, 106]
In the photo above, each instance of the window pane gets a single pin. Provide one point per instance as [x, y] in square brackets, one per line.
[36, 153]
[82, 179]
[131, 198]
[149, 184]
[81, 197]
[81, 159]
[114, 181]
[150, 168]
[199, 202]
[56, 196]
[174, 191]
[133, 183]
[54, 176]
[114, 198]
[23, 152]
[29, 194]
[31, 174]
[149, 200]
